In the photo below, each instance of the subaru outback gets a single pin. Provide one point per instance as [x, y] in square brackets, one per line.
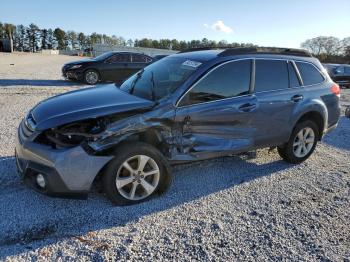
[190, 106]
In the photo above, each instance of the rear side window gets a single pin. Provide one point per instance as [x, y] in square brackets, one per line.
[119, 58]
[271, 75]
[293, 78]
[347, 70]
[140, 59]
[229, 80]
[309, 73]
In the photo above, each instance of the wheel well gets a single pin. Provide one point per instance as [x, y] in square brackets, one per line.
[151, 137]
[315, 117]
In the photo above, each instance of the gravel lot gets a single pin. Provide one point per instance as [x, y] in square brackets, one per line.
[226, 209]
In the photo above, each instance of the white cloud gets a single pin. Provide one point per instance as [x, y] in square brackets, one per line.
[220, 26]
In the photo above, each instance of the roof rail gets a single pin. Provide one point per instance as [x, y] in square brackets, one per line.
[227, 51]
[266, 50]
[200, 49]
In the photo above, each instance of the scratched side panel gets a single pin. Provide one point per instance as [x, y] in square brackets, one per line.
[218, 128]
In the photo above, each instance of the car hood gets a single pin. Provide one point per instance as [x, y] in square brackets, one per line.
[82, 61]
[85, 103]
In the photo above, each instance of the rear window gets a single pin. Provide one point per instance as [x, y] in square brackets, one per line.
[271, 75]
[140, 59]
[119, 58]
[309, 73]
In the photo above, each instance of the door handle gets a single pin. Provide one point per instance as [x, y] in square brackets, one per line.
[297, 98]
[247, 107]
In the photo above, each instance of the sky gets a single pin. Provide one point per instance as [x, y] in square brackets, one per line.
[266, 22]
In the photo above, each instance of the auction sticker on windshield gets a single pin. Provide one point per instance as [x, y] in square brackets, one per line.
[191, 63]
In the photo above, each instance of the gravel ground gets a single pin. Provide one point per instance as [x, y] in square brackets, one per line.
[226, 209]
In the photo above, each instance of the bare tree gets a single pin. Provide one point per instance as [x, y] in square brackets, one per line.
[327, 45]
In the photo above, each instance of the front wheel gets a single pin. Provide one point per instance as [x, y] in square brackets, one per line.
[301, 143]
[91, 77]
[136, 173]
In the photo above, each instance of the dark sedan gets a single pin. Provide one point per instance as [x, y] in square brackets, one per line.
[108, 67]
[339, 73]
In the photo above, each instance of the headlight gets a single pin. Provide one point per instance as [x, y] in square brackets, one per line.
[75, 66]
[29, 121]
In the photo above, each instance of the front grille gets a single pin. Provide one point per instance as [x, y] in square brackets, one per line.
[64, 71]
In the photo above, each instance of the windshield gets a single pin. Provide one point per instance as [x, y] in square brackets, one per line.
[103, 56]
[160, 78]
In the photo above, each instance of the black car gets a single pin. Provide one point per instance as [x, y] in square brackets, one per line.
[108, 67]
[339, 73]
[158, 57]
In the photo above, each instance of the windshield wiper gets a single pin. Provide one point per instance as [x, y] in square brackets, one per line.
[138, 75]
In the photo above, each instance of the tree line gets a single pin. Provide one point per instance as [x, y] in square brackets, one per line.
[32, 38]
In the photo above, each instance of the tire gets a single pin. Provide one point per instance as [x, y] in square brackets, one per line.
[347, 112]
[91, 77]
[127, 184]
[301, 144]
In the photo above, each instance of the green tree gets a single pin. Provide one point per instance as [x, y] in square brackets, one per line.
[51, 41]
[2, 31]
[9, 30]
[130, 43]
[96, 38]
[81, 40]
[60, 35]
[33, 33]
[44, 39]
[72, 39]
[21, 40]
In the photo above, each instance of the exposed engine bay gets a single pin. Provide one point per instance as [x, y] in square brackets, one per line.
[73, 134]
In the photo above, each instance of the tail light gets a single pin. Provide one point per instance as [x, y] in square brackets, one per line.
[336, 90]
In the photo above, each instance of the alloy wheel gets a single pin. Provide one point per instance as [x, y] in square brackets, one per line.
[91, 77]
[138, 177]
[303, 142]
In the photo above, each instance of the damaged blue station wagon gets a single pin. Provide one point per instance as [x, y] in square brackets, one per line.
[190, 106]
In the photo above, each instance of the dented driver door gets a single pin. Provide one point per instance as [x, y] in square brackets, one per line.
[219, 127]
[219, 112]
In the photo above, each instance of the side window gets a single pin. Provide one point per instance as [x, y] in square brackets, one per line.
[228, 80]
[309, 73]
[140, 59]
[119, 58]
[293, 78]
[271, 75]
[347, 70]
[339, 70]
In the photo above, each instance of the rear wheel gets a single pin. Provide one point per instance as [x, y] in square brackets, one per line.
[135, 174]
[347, 112]
[91, 77]
[301, 143]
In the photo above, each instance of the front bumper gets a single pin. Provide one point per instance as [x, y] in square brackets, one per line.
[67, 172]
[72, 74]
